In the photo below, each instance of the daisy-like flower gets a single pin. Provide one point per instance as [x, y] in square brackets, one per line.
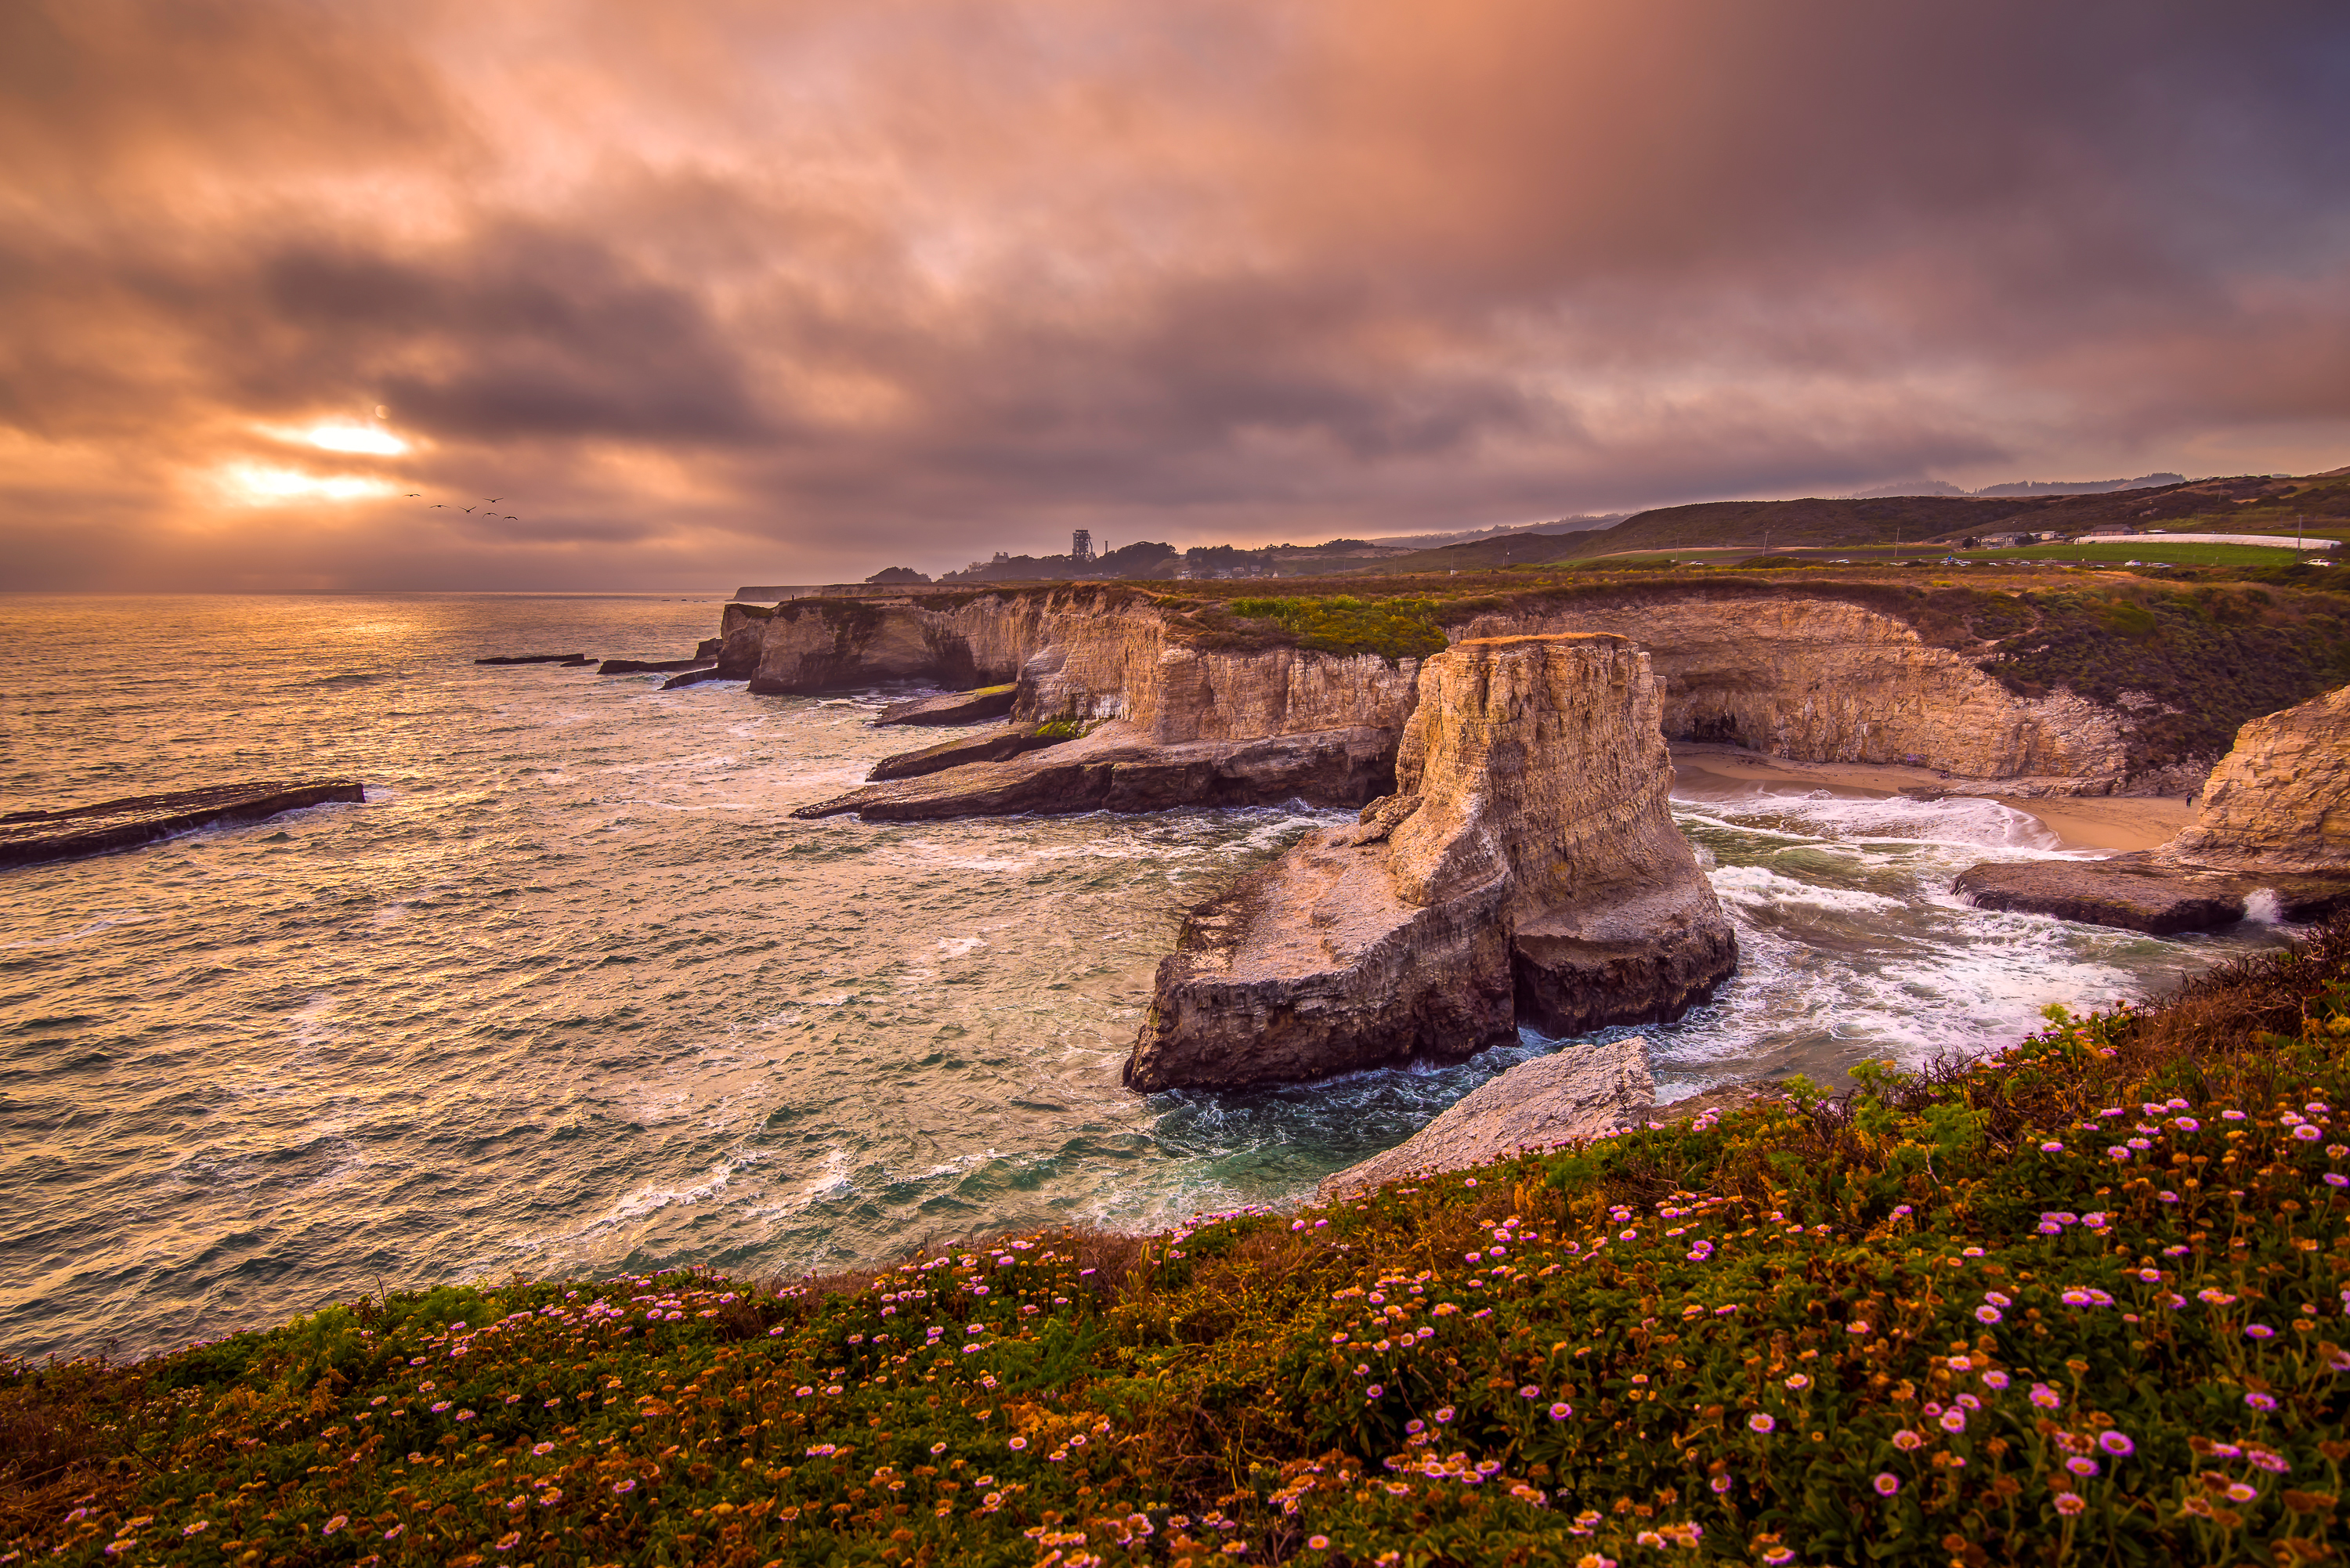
[2081, 1466]
[2069, 1503]
[1529, 1391]
[1760, 1421]
[2259, 1331]
[1953, 1419]
[1987, 1315]
[1561, 1411]
[2117, 1444]
[1994, 1381]
[1887, 1483]
[2261, 1401]
[1908, 1441]
[1799, 1382]
[2045, 1397]
[2051, 1147]
[1018, 1444]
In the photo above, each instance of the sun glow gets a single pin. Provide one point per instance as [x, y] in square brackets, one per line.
[257, 485]
[372, 440]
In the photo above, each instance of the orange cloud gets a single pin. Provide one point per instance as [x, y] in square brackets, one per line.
[722, 290]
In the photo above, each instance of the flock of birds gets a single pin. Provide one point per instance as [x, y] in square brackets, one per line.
[445, 506]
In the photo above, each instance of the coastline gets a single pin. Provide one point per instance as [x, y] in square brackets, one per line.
[2110, 824]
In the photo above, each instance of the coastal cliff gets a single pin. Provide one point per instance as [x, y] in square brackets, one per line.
[2280, 797]
[1811, 672]
[2273, 825]
[1526, 866]
[1826, 681]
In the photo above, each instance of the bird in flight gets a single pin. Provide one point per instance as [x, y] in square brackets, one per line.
[416, 495]
[493, 500]
[473, 509]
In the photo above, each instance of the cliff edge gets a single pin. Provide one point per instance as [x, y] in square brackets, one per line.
[1526, 867]
[2274, 823]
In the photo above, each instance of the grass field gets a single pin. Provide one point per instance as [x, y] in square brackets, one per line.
[2147, 549]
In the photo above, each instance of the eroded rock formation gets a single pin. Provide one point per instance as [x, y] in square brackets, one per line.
[2274, 822]
[1530, 802]
[1579, 1092]
[29, 837]
[2280, 797]
[1826, 681]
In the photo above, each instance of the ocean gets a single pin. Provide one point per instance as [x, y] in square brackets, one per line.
[572, 992]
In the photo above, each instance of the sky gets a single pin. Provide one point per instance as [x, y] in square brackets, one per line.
[678, 294]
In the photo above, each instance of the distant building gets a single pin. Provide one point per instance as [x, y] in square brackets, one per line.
[1081, 546]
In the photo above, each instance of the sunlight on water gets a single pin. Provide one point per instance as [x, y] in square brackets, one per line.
[572, 991]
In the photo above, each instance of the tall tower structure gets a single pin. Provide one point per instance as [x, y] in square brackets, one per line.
[1081, 546]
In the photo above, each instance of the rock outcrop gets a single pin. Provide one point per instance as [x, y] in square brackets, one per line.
[2280, 797]
[1530, 799]
[1114, 769]
[2143, 892]
[1827, 680]
[1582, 1092]
[652, 665]
[995, 744]
[2274, 823]
[955, 708]
[28, 837]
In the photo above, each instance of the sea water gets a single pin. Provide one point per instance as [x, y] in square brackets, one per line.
[573, 992]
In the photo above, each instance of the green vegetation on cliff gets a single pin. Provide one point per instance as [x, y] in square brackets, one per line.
[2083, 1303]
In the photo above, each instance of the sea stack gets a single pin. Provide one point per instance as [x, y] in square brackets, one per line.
[1526, 869]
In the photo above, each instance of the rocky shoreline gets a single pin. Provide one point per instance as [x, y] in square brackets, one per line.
[2271, 835]
[1426, 928]
[32, 838]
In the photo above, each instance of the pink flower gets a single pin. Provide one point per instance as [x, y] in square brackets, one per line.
[1760, 1421]
[2069, 1503]
[1561, 1411]
[2117, 1444]
[1908, 1441]
[1887, 1483]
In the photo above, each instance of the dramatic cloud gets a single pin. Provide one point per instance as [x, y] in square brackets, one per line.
[711, 292]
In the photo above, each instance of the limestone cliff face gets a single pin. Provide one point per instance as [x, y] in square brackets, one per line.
[1823, 681]
[2280, 797]
[1814, 679]
[1526, 867]
[1088, 653]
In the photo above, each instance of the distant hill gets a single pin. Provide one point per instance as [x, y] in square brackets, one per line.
[1820, 523]
[2020, 487]
[1474, 536]
[2083, 487]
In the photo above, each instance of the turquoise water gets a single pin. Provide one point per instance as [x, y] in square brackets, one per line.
[572, 992]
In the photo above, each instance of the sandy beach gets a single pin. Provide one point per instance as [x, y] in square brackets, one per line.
[2109, 823]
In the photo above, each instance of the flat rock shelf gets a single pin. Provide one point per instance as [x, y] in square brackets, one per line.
[30, 837]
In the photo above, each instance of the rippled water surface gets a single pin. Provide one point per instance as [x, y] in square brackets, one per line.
[571, 991]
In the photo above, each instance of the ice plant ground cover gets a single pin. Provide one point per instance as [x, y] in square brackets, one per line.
[2083, 1303]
